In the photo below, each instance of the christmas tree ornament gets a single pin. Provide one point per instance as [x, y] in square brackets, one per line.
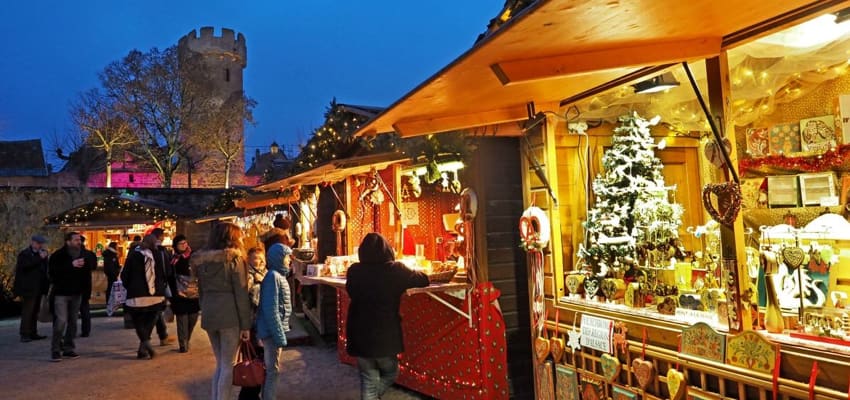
[610, 367]
[643, 369]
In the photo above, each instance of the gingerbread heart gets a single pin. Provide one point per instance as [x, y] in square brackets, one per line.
[575, 284]
[676, 384]
[591, 285]
[644, 372]
[541, 348]
[793, 256]
[556, 346]
[610, 367]
[728, 201]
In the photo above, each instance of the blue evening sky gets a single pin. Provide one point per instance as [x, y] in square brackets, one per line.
[301, 54]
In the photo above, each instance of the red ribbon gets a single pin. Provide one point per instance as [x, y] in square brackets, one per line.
[643, 348]
[776, 374]
[813, 380]
[557, 312]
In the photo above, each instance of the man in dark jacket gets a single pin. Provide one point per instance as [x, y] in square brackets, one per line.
[66, 269]
[31, 284]
[162, 258]
[375, 285]
[85, 298]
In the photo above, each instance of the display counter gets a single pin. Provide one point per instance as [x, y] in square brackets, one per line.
[453, 338]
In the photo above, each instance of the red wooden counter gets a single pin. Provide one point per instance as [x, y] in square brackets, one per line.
[454, 339]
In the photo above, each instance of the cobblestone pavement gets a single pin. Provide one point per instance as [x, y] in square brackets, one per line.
[108, 368]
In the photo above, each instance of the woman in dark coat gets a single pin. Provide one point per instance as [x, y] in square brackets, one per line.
[375, 285]
[184, 300]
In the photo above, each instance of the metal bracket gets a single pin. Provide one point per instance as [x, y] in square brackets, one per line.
[467, 314]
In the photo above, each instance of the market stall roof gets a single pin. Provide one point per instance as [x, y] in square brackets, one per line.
[114, 211]
[335, 171]
[557, 49]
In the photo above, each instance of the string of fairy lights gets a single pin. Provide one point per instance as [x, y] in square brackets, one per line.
[109, 204]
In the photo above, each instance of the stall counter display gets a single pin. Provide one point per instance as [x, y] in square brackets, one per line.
[454, 339]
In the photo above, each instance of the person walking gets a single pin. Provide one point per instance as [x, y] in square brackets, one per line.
[184, 300]
[66, 271]
[223, 284]
[111, 267]
[275, 307]
[256, 273]
[373, 328]
[31, 283]
[161, 257]
[145, 284]
[85, 308]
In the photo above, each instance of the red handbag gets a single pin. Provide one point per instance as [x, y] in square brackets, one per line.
[249, 370]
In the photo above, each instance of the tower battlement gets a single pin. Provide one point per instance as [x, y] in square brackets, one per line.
[229, 44]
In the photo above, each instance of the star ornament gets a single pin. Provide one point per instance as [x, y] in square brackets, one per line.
[573, 341]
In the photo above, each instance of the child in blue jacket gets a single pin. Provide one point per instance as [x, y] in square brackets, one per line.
[274, 311]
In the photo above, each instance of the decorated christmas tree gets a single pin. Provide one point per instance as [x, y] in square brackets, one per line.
[632, 214]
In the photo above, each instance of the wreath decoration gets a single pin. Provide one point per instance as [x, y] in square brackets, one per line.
[338, 221]
[534, 229]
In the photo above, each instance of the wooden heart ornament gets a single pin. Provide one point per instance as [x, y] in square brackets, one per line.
[793, 256]
[591, 285]
[541, 348]
[557, 347]
[610, 367]
[727, 196]
[644, 372]
[676, 384]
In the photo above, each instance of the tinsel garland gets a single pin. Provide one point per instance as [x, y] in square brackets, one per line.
[809, 163]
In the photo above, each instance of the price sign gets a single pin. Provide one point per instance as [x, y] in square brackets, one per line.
[596, 333]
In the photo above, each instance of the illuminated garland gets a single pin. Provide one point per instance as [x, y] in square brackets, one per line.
[334, 139]
[821, 162]
[110, 203]
[225, 202]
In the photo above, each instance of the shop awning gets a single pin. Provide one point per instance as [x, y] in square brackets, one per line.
[560, 48]
[335, 171]
[114, 211]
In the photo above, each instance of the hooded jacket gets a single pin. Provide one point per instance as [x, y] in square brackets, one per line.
[375, 285]
[275, 297]
[223, 287]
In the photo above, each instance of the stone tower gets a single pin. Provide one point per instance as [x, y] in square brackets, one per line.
[224, 57]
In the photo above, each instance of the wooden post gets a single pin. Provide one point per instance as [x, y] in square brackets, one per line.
[736, 279]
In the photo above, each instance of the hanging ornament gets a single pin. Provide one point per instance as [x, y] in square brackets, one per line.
[713, 152]
[728, 200]
[556, 343]
[643, 369]
[534, 229]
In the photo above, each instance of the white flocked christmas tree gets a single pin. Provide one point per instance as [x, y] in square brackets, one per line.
[632, 214]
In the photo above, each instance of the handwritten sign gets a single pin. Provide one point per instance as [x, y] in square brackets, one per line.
[596, 333]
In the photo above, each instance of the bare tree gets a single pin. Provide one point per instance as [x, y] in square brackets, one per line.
[95, 114]
[222, 125]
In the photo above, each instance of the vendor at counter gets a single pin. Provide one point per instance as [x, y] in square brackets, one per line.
[373, 328]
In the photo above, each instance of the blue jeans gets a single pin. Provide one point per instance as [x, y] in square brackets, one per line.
[225, 345]
[376, 376]
[65, 311]
[272, 355]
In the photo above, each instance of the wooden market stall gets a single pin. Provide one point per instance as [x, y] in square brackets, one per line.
[114, 219]
[452, 332]
[554, 82]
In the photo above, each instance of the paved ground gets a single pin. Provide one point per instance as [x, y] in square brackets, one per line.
[108, 368]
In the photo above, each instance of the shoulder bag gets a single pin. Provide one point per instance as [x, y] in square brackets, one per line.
[249, 370]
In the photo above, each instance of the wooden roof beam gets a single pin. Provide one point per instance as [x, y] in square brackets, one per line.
[417, 127]
[528, 70]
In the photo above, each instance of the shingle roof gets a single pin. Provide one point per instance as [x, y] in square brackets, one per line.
[22, 158]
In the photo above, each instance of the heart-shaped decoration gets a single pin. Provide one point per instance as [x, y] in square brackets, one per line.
[541, 348]
[676, 384]
[644, 371]
[728, 201]
[575, 284]
[713, 152]
[613, 288]
[556, 346]
[610, 367]
[591, 285]
[793, 256]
